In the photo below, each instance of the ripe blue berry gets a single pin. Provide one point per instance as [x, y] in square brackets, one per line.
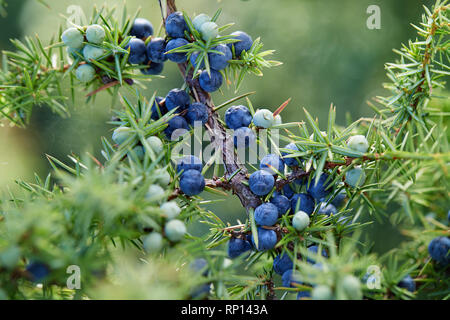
[303, 294]
[158, 109]
[321, 189]
[85, 73]
[338, 199]
[153, 69]
[327, 209]
[219, 61]
[266, 214]
[73, 38]
[282, 203]
[245, 42]
[287, 191]
[176, 25]
[189, 163]
[137, 152]
[282, 263]
[193, 59]
[237, 117]
[314, 250]
[290, 278]
[263, 118]
[272, 162]
[237, 246]
[174, 124]
[38, 271]
[261, 182]
[156, 50]
[267, 239]
[138, 51]
[300, 221]
[209, 30]
[192, 182]
[199, 20]
[439, 249]
[243, 138]
[407, 283]
[175, 230]
[177, 57]
[302, 202]
[142, 28]
[95, 34]
[177, 98]
[210, 83]
[197, 112]
[291, 162]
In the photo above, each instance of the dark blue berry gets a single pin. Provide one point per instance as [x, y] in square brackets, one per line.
[156, 50]
[175, 123]
[287, 190]
[439, 249]
[197, 112]
[339, 199]
[176, 25]
[177, 57]
[291, 162]
[261, 182]
[192, 182]
[304, 202]
[189, 163]
[321, 189]
[282, 203]
[407, 283]
[282, 263]
[267, 239]
[237, 117]
[272, 163]
[153, 69]
[314, 249]
[142, 28]
[210, 83]
[219, 61]
[243, 138]
[290, 278]
[266, 214]
[157, 106]
[237, 246]
[177, 98]
[327, 209]
[193, 59]
[38, 271]
[138, 51]
[245, 42]
[199, 265]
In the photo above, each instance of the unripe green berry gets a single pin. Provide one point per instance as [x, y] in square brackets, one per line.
[155, 193]
[355, 177]
[322, 292]
[209, 31]
[175, 230]
[263, 118]
[277, 120]
[138, 152]
[95, 34]
[156, 144]
[200, 20]
[171, 209]
[121, 134]
[162, 177]
[92, 53]
[351, 286]
[73, 38]
[358, 143]
[85, 73]
[300, 221]
[153, 242]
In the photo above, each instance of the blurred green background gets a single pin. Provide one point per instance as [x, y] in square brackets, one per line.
[329, 56]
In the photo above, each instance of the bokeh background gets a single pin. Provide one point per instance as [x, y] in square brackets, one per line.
[329, 56]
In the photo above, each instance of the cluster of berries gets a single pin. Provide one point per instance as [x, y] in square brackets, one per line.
[145, 49]
[239, 118]
[187, 113]
[85, 44]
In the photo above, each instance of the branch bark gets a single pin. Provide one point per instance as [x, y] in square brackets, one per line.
[219, 137]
